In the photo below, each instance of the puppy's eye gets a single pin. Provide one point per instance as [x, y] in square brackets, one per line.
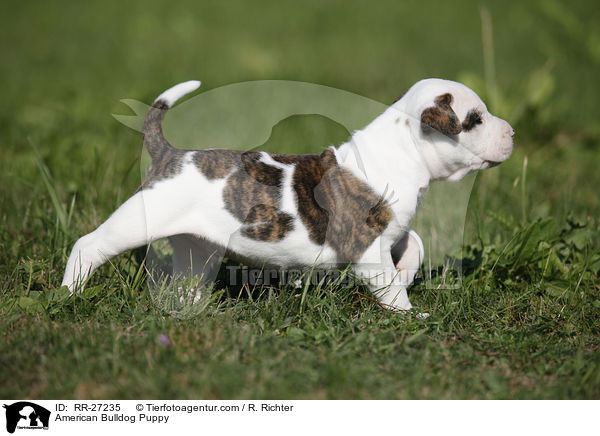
[472, 119]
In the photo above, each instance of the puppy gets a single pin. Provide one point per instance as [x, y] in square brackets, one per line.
[349, 205]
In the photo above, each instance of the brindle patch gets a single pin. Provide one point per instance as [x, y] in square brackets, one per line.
[166, 160]
[472, 119]
[357, 215]
[216, 164]
[337, 208]
[285, 158]
[441, 117]
[154, 140]
[260, 171]
[169, 165]
[266, 223]
[253, 195]
[308, 174]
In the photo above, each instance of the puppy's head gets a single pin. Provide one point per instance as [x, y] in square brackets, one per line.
[452, 118]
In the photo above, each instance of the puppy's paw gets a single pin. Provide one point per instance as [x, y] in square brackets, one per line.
[189, 295]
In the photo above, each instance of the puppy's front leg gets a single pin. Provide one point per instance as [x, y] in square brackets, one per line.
[377, 270]
[408, 254]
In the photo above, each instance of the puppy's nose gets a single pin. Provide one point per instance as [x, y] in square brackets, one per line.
[512, 132]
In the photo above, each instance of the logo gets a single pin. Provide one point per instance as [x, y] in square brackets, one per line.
[26, 415]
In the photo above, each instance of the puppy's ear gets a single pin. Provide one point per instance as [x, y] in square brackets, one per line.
[441, 117]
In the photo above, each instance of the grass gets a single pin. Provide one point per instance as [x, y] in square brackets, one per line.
[524, 323]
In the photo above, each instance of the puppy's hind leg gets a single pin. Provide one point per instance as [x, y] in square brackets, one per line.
[193, 256]
[142, 218]
[195, 260]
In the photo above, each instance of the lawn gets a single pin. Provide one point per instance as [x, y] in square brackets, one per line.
[524, 322]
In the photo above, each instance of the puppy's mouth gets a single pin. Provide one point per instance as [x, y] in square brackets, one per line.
[491, 163]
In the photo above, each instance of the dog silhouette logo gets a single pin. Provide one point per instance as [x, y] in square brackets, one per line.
[26, 415]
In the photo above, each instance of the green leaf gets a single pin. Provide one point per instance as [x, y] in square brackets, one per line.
[59, 209]
[416, 336]
[31, 305]
[295, 333]
[537, 232]
[555, 290]
[579, 238]
[91, 292]
[57, 295]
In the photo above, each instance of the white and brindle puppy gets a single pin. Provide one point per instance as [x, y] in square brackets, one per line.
[349, 205]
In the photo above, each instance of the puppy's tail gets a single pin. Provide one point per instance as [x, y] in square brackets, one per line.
[154, 139]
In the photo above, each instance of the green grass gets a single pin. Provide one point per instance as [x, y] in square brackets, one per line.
[524, 323]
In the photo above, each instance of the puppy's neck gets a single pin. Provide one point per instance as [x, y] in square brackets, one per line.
[445, 158]
[384, 155]
[385, 149]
